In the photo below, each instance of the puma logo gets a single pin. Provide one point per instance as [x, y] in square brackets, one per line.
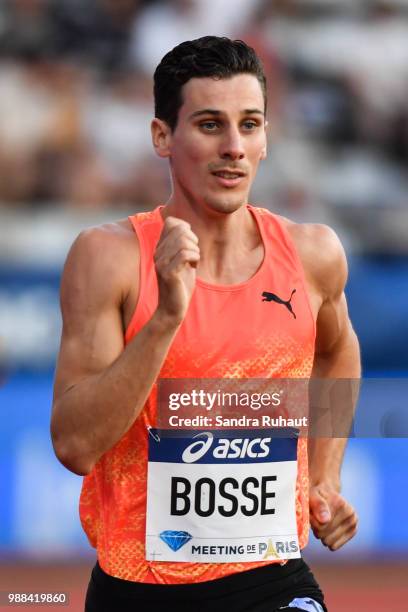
[272, 297]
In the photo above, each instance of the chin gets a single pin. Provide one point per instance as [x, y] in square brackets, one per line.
[226, 204]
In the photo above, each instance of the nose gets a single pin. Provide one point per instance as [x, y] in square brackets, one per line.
[231, 146]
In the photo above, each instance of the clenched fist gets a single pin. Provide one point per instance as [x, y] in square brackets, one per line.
[333, 519]
[176, 257]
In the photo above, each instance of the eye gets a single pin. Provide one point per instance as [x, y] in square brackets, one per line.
[250, 125]
[209, 126]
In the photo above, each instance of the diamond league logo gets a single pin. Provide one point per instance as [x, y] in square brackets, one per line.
[197, 449]
[175, 539]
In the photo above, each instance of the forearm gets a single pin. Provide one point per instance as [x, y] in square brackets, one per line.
[336, 387]
[325, 460]
[341, 362]
[93, 415]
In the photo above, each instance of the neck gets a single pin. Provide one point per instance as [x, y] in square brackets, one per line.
[230, 243]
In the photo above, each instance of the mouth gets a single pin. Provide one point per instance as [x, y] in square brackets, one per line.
[229, 178]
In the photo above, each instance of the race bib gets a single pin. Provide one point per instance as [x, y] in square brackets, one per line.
[221, 496]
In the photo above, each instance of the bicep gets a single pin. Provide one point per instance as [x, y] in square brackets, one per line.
[333, 324]
[92, 333]
[88, 348]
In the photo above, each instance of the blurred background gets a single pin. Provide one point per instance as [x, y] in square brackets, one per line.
[75, 107]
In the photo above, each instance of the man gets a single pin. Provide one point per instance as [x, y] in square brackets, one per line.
[204, 287]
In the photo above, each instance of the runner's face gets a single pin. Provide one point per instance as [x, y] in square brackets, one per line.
[218, 142]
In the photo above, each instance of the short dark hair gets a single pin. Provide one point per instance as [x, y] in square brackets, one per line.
[209, 56]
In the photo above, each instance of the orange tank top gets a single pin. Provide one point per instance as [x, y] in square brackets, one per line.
[228, 332]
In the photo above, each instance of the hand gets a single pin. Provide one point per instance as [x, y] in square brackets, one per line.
[333, 520]
[176, 257]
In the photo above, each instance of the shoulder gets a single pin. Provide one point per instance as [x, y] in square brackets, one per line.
[322, 255]
[102, 258]
[117, 236]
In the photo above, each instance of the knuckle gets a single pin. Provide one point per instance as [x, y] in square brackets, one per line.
[186, 236]
[351, 515]
[171, 222]
[184, 242]
[341, 503]
[178, 235]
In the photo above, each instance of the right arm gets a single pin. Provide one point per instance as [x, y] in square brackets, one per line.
[101, 386]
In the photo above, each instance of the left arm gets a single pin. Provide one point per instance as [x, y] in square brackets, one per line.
[337, 356]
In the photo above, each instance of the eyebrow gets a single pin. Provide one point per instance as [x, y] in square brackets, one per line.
[217, 113]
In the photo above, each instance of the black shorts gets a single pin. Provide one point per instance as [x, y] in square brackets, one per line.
[264, 589]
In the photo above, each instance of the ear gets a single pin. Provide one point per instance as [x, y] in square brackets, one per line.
[161, 137]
